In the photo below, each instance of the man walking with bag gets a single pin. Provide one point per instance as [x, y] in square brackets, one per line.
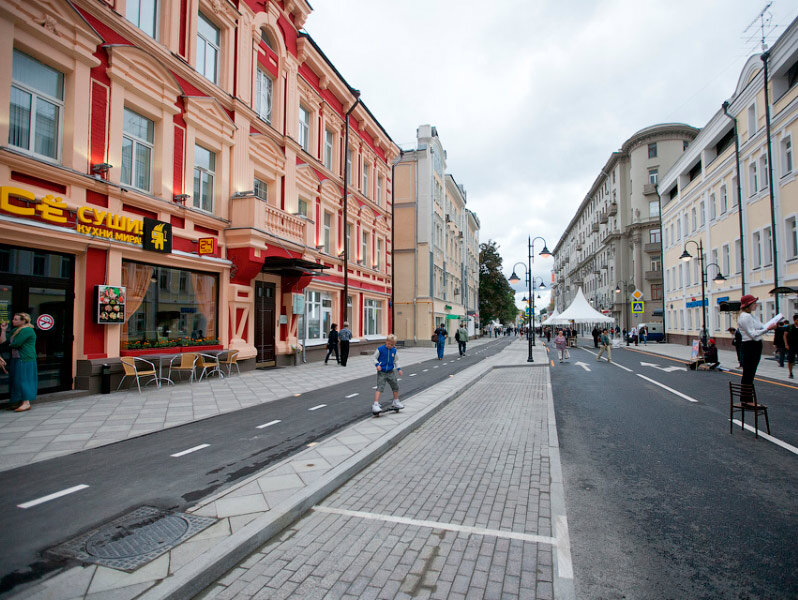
[462, 337]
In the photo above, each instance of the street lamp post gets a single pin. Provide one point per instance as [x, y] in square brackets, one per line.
[686, 256]
[515, 279]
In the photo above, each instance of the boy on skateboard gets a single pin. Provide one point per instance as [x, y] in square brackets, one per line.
[385, 360]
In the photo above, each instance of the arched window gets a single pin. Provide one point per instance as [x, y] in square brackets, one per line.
[267, 39]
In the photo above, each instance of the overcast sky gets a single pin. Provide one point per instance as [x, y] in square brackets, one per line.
[530, 97]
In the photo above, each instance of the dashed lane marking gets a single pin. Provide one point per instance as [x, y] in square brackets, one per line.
[769, 438]
[318, 407]
[189, 451]
[269, 424]
[665, 387]
[424, 370]
[352, 395]
[49, 497]
[412, 374]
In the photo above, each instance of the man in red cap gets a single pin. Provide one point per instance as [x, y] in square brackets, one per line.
[751, 329]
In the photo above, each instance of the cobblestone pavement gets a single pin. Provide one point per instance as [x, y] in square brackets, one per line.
[462, 508]
[66, 426]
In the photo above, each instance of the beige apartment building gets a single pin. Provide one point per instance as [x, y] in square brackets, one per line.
[436, 251]
[753, 243]
[612, 246]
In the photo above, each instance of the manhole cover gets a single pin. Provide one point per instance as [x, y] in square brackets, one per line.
[134, 539]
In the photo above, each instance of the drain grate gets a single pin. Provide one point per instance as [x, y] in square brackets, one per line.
[134, 539]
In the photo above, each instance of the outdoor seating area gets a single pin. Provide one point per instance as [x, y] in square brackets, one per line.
[178, 367]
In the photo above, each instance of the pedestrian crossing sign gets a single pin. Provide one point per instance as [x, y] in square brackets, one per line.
[637, 307]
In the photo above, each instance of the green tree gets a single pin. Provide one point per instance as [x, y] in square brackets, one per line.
[496, 297]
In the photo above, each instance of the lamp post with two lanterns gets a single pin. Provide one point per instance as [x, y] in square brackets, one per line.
[529, 279]
[719, 278]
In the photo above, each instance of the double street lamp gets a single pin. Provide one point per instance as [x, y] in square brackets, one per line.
[529, 278]
[719, 278]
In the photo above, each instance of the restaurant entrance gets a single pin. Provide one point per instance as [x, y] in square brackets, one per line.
[264, 321]
[42, 285]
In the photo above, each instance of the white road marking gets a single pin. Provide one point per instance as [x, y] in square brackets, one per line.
[269, 424]
[318, 407]
[564, 565]
[49, 497]
[512, 535]
[424, 370]
[435, 367]
[670, 389]
[412, 374]
[190, 450]
[622, 367]
[769, 438]
[666, 369]
[352, 395]
[374, 388]
[583, 365]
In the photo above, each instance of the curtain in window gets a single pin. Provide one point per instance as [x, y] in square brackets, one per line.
[205, 318]
[136, 278]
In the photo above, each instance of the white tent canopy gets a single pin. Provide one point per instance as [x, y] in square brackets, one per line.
[552, 316]
[579, 311]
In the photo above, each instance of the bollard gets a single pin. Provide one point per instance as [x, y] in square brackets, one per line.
[105, 379]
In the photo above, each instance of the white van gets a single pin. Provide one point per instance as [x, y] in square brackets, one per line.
[655, 333]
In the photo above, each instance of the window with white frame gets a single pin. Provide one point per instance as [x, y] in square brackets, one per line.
[264, 96]
[725, 264]
[767, 246]
[652, 150]
[261, 189]
[689, 318]
[714, 260]
[713, 209]
[753, 184]
[379, 191]
[751, 121]
[724, 203]
[143, 14]
[756, 247]
[304, 128]
[763, 171]
[209, 40]
[204, 172]
[653, 208]
[694, 219]
[349, 166]
[678, 228]
[656, 262]
[372, 317]
[738, 255]
[318, 306]
[327, 232]
[328, 148]
[137, 145]
[696, 272]
[653, 175]
[735, 193]
[791, 236]
[786, 156]
[378, 258]
[364, 248]
[36, 107]
[303, 208]
[703, 213]
[365, 179]
[348, 242]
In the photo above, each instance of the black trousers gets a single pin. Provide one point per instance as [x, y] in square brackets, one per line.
[752, 352]
[330, 350]
[344, 352]
[461, 346]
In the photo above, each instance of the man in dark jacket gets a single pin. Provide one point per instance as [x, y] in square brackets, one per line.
[332, 344]
[595, 334]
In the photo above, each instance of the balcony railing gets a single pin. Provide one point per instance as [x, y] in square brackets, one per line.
[652, 247]
[604, 217]
[284, 225]
[653, 275]
[613, 209]
[594, 227]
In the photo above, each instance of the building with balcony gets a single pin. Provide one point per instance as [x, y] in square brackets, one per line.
[436, 244]
[611, 247]
[192, 153]
[743, 209]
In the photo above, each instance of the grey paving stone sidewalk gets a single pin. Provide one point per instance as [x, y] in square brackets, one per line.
[56, 428]
[462, 508]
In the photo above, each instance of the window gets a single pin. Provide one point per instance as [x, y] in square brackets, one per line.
[653, 208]
[757, 248]
[37, 101]
[264, 96]
[328, 149]
[365, 179]
[703, 212]
[678, 229]
[142, 13]
[304, 128]
[738, 256]
[302, 207]
[656, 262]
[204, 170]
[261, 190]
[319, 311]
[723, 200]
[348, 242]
[656, 291]
[753, 186]
[379, 191]
[208, 43]
[786, 156]
[137, 140]
[791, 237]
[349, 166]
[653, 174]
[378, 258]
[767, 246]
[713, 209]
[713, 260]
[327, 233]
[696, 274]
[725, 264]
[694, 218]
[364, 248]
[735, 193]
[751, 121]
[763, 163]
[652, 150]
[372, 317]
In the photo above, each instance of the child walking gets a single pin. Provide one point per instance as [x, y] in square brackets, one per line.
[385, 359]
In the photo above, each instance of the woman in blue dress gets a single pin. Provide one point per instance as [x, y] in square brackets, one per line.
[22, 371]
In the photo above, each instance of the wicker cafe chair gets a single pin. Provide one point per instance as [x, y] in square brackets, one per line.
[138, 368]
[230, 360]
[186, 362]
[746, 396]
[209, 363]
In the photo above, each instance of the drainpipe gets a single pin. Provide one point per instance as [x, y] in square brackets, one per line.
[764, 57]
[739, 197]
[356, 93]
[393, 249]
[662, 266]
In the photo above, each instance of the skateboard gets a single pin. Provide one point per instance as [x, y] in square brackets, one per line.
[385, 410]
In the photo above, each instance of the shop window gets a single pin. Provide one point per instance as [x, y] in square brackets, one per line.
[204, 171]
[372, 317]
[264, 96]
[160, 315]
[36, 107]
[319, 315]
[208, 45]
[137, 146]
[143, 14]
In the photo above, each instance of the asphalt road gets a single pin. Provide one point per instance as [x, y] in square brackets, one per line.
[663, 503]
[142, 471]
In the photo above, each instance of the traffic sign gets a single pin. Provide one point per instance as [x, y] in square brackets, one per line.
[637, 307]
[637, 295]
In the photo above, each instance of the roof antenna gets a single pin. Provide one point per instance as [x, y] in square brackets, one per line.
[762, 23]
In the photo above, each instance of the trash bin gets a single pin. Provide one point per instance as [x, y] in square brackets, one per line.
[105, 379]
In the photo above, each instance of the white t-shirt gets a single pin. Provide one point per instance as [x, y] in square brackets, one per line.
[751, 328]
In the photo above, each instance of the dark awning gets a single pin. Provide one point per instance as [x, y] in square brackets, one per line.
[657, 312]
[783, 289]
[291, 266]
